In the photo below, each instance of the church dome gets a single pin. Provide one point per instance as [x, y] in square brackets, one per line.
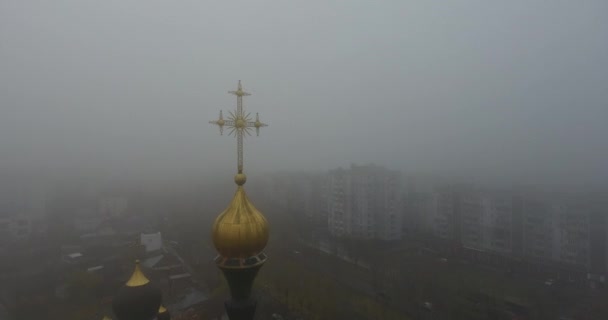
[139, 299]
[163, 313]
[241, 231]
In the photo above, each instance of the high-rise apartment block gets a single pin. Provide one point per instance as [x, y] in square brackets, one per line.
[539, 229]
[364, 202]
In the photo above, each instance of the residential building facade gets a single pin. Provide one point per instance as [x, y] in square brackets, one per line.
[364, 202]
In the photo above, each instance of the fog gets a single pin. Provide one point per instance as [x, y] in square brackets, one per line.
[509, 90]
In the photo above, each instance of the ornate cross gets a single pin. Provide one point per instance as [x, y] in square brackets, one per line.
[239, 123]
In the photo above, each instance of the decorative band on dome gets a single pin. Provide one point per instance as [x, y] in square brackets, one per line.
[240, 263]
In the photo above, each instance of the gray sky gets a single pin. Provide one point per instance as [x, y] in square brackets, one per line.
[503, 89]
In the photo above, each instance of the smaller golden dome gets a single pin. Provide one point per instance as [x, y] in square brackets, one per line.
[138, 299]
[241, 231]
[221, 122]
[163, 313]
[137, 278]
[106, 318]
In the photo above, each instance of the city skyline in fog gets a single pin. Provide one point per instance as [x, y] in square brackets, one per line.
[514, 91]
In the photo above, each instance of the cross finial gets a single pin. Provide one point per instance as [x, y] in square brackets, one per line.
[239, 91]
[239, 123]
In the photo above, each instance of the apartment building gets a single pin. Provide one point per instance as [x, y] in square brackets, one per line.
[364, 202]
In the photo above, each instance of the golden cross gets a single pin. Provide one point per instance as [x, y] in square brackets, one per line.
[239, 123]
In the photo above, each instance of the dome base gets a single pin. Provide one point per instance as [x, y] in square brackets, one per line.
[240, 274]
[240, 263]
[240, 310]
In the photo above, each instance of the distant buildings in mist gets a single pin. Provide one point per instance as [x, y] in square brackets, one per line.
[521, 225]
[531, 227]
[364, 202]
[372, 202]
[367, 202]
[23, 208]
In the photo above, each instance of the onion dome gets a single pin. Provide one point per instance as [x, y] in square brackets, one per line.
[163, 313]
[139, 299]
[241, 231]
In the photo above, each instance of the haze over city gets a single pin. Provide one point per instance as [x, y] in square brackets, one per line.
[513, 91]
[423, 160]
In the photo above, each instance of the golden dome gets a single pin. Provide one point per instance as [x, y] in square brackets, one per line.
[137, 278]
[163, 313]
[241, 231]
[138, 299]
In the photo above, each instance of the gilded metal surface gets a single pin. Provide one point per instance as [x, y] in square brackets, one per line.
[239, 123]
[137, 278]
[162, 309]
[241, 231]
[240, 179]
